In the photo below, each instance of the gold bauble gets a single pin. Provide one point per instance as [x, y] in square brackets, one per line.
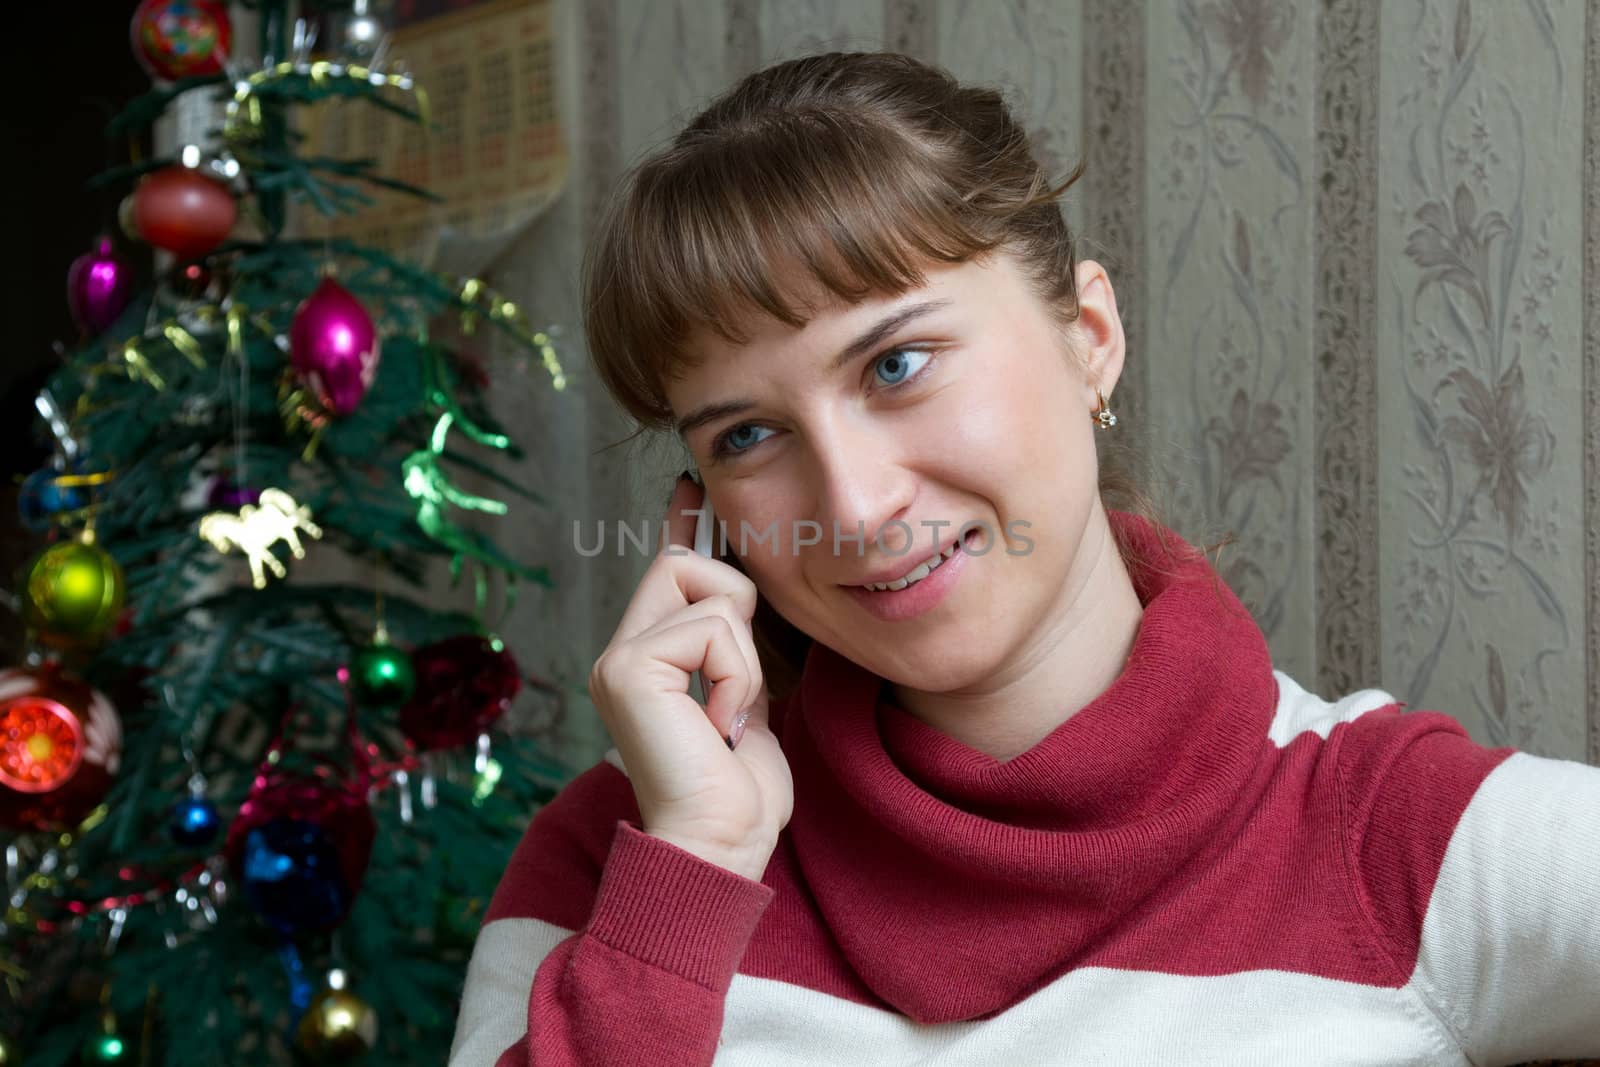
[127, 221]
[338, 1027]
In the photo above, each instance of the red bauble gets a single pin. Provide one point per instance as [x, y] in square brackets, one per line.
[194, 280]
[60, 746]
[175, 39]
[183, 211]
[464, 684]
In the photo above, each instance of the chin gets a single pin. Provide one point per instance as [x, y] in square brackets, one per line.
[934, 669]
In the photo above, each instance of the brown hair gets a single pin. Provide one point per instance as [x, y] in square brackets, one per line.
[849, 169]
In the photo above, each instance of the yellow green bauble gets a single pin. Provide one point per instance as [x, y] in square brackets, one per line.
[75, 593]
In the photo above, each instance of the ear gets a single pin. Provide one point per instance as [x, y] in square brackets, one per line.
[1101, 343]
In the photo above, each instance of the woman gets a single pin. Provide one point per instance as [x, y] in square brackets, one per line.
[1037, 794]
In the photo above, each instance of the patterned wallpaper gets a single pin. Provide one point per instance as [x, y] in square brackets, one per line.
[1356, 248]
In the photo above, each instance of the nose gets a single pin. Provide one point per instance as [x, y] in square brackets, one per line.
[861, 487]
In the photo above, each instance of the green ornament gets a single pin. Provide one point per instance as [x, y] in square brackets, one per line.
[106, 1048]
[10, 1052]
[381, 675]
[75, 593]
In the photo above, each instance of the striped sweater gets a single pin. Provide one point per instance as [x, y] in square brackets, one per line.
[1205, 865]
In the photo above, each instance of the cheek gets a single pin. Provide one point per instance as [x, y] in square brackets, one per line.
[1011, 428]
[763, 517]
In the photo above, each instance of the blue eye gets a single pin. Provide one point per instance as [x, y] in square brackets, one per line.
[902, 365]
[736, 440]
[898, 362]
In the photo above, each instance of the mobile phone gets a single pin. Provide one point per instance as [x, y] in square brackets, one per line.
[704, 530]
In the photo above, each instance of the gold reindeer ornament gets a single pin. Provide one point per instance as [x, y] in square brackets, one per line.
[255, 528]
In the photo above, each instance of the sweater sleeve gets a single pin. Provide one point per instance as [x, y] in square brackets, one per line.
[596, 952]
[1478, 871]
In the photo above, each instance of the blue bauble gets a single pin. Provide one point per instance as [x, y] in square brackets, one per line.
[194, 822]
[292, 877]
[41, 499]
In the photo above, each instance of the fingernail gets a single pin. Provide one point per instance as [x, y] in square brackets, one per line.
[738, 729]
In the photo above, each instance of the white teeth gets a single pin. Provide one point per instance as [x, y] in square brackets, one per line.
[921, 571]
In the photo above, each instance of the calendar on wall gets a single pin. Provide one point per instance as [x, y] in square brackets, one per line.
[494, 152]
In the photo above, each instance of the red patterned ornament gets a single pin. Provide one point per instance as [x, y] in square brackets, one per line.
[60, 747]
[175, 39]
[464, 684]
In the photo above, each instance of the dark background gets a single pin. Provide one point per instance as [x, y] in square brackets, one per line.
[67, 70]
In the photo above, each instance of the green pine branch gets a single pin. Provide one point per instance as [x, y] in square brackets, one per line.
[169, 398]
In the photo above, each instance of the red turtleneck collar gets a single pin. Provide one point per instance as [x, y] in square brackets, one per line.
[925, 855]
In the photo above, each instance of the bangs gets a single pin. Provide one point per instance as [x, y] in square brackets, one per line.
[716, 229]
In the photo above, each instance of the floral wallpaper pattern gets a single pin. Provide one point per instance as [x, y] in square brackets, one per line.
[1354, 244]
[1229, 254]
[1482, 568]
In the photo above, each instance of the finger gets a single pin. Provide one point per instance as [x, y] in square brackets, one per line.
[681, 516]
[709, 645]
[672, 582]
[722, 607]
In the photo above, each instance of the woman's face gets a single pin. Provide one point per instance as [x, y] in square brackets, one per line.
[960, 402]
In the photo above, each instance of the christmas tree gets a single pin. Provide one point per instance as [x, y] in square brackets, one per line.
[253, 816]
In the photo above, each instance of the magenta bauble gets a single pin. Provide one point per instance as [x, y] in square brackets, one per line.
[99, 286]
[333, 346]
[227, 495]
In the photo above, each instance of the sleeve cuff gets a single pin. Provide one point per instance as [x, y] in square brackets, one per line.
[673, 910]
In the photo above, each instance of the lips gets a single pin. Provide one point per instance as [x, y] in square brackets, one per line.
[917, 573]
[897, 579]
[905, 598]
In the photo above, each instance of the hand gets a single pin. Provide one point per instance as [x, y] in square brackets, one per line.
[691, 613]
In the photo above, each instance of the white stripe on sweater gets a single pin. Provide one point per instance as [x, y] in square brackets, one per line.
[1510, 950]
[494, 1003]
[1094, 1015]
[1511, 943]
[1301, 712]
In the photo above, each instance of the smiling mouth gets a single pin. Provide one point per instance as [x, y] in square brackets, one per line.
[916, 574]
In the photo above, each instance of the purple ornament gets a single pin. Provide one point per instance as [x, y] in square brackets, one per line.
[99, 285]
[226, 495]
[333, 346]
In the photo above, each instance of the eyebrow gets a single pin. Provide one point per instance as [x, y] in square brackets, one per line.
[864, 343]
